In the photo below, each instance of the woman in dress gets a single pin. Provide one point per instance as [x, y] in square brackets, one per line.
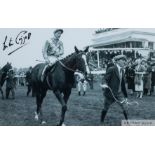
[139, 73]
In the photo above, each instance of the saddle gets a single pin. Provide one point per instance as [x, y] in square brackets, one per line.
[45, 70]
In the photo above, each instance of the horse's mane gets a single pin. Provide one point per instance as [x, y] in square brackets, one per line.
[5, 68]
[68, 57]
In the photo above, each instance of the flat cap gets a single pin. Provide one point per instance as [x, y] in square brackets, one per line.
[119, 57]
[57, 30]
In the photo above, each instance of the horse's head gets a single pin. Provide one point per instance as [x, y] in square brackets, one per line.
[81, 60]
[7, 67]
[3, 73]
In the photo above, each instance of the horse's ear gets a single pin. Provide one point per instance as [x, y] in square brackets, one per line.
[76, 50]
[86, 50]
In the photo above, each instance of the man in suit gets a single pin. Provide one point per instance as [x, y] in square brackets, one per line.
[114, 86]
[10, 83]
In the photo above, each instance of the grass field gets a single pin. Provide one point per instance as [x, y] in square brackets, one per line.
[82, 110]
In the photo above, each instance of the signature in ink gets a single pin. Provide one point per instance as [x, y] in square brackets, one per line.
[20, 41]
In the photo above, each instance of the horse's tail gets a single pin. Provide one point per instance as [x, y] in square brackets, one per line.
[35, 77]
[33, 90]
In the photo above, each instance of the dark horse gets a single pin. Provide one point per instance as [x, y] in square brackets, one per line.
[60, 79]
[3, 74]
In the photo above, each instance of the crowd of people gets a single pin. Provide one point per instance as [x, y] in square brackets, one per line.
[139, 76]
[10, 84]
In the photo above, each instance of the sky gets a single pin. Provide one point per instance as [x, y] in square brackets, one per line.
[27, 55]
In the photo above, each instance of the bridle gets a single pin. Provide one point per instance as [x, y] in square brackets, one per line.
[70, 69]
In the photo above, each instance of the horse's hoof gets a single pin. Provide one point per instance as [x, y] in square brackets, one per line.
[43, 122]
[36, 117]
[63, 124]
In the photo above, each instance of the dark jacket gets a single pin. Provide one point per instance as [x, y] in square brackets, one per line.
[10, 81]
[112, 79]
[28, 78]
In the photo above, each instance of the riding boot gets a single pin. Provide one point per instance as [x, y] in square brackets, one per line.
[45, 71]
[84, 93]
[79, 93]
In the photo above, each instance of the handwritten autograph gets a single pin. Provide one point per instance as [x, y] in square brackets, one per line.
[21, 40]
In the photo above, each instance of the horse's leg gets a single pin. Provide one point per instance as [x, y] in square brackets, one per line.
[66, 95]
[33, 91]
[107, 104]
[39, 99]
[37, 113]
[64, 106]
[43, 94]
[7, 92]
[2, 92]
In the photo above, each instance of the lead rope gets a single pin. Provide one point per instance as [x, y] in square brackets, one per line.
[124, 101]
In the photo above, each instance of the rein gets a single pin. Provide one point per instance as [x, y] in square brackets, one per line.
[62, 64]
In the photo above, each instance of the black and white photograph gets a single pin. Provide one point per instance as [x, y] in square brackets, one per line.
[77, 77]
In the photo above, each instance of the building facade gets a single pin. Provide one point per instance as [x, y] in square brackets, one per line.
[132, 41]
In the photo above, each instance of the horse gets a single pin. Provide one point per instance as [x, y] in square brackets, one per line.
[3, 74]
[60, 79]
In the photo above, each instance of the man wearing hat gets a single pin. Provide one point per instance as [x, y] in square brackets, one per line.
[10, 83]
[53, 49]
[114, 85]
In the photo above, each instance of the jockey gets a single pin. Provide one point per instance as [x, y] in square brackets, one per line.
[81, 82]
[53, 50]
